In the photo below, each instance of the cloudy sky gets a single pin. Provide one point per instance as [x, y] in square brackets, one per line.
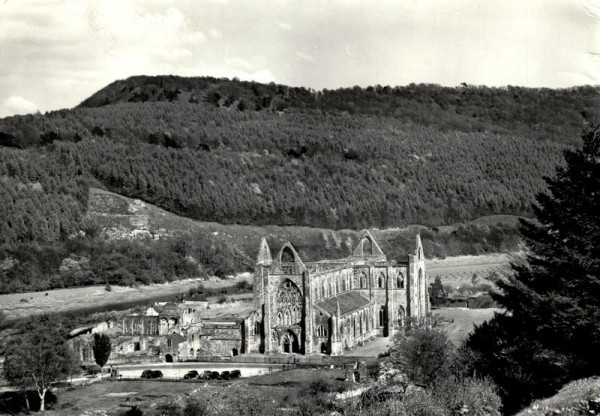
[55, 53]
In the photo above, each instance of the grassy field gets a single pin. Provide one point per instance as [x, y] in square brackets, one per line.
[459, 322]
[458, 271]
[116, 397]
[20, 305]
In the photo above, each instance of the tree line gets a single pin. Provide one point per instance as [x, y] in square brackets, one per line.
[554, 114]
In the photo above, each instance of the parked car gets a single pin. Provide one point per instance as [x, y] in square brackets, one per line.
[205, 375]
[225, 375]
[235, 374]
[152, 374]
[214, 375]
[192, 374]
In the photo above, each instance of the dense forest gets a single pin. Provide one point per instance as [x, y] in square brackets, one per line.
[247, 153]
[550, 114]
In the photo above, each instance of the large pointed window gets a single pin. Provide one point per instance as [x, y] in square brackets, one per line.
[367, 247]
[288, 263]
[321, 331]
[400, 281]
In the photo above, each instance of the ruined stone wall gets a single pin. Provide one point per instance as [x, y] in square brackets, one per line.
[330, 283]
[254, 333]
[213, 338]
[144, 347]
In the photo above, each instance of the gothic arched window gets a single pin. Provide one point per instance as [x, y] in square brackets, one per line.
[367, 247]
[363, 281]
[381, 316]
[287, 261]
[400, 282]
[321, 331]
[256, 328]
[381, 281]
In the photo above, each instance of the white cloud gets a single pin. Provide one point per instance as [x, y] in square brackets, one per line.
[305, 56]
[215, 33]
[58, 52]
[17, 105]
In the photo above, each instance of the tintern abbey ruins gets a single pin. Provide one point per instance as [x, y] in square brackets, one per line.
[324, 307]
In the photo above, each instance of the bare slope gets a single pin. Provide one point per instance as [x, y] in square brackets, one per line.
[580, 397]
[123, 217]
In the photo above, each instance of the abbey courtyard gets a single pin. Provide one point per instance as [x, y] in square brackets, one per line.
[319, 308]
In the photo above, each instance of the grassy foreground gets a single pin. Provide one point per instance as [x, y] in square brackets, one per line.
[117, 397]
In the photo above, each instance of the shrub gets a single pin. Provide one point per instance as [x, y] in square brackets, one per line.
[194, 407]
[168, 409]
[478, 397]
[134, 411]
[424, 355]
[243, 285]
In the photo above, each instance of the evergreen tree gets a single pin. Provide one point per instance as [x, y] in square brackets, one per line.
[437, 293]
[101, 349]
[550, 332]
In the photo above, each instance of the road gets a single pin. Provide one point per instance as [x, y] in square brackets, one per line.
[178, 370]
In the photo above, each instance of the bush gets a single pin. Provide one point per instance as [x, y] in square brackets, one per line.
[194, 407]
[424, 355]
[134, 411]
[478, 397]
[243, 285]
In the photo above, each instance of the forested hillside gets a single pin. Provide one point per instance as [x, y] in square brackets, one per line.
[246, 153]
[324, 170]
[549, 114]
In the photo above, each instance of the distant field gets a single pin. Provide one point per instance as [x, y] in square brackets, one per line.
[459, 322]
[20, 305]
[459, 270]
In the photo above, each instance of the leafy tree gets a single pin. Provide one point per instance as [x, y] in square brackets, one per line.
[437, 293]
[550, 333]
[101, 349]
[38, 358]
[424, 354]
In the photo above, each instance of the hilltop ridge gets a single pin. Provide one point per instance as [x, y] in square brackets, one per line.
[551, 114]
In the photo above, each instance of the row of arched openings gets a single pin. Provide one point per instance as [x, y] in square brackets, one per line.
[355, 326]
[327, 289]
[288, 317]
